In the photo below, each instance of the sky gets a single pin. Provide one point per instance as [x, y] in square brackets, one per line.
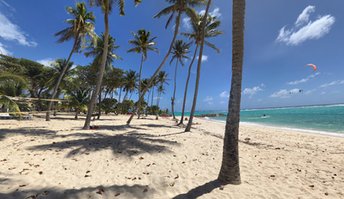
[281, 38]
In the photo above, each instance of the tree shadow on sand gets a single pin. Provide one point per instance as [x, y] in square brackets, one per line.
[127, 144]
[200, 190]
[135, 191]
[27, 131]
[119, 127]
[157, 126]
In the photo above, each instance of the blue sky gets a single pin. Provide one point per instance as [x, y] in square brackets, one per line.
[281, 38]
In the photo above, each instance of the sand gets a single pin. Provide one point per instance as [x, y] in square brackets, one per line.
[155, 159]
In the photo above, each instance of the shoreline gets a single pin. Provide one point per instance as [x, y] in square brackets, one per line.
[291, 129]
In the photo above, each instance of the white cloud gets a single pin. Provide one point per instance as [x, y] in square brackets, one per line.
[12, 32]
[333, 83]
[252, 91]
[224, 94]
[304, 80]
[187, 23]
[47, 61]
[284, 93]
[215, 13]
[209, 100]
[3, 50]
[304, 16]
[304, 29]
[204, 58]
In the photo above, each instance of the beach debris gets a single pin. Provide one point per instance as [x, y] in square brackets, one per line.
[221, 187]
[117, 194]
[40, 173]
[176, 177]
[312, 186]
[141, 158]
[4, 160]
[87, 176]
[22, 185]
[326, 194]
[272, 176]
[21, 172]
[100, 191]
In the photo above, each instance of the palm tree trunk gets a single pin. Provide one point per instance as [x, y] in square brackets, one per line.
[152, 96]
[188, 126]
[174, 90]
[139, 102]
[151, 80]
[59, 80]
[187, 85]
[101, 71]
[76, 113]
[99, 107]
[158, 100]
[157, 104]
[230, 170]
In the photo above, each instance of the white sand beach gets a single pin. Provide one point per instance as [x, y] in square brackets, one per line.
[155, 159]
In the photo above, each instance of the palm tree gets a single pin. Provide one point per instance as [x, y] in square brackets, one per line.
[96, 51]
[78, 93]
[106, 6]
[204, 21]
[81, 25]
[57, 68]
[179, 53]
[142, 43]
[8, 88]
[177, 7]
[230, 170]
[129, 84]
[161, 80]
[210, 31]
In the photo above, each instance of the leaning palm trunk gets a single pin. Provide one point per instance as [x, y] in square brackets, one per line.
[99, 103]
[100, 73]
[174, 90]
[230, 170]
[188, 126]
[140, 85]
[187, 86]
[59, 80]
[151, 80]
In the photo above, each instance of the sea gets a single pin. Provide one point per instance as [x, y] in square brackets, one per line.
[321, 118]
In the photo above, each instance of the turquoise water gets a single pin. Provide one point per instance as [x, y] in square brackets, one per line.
[329, 118]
